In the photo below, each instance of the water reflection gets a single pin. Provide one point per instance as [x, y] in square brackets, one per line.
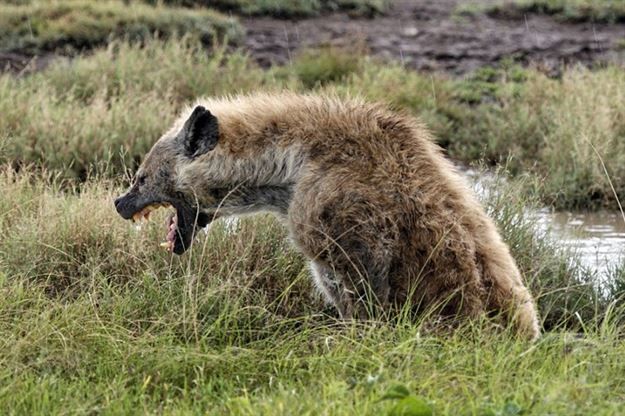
[599, 237]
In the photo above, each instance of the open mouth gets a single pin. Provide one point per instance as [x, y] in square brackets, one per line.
[144, 213]
[181, 225]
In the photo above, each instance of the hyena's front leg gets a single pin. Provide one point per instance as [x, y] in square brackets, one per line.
[350, 242]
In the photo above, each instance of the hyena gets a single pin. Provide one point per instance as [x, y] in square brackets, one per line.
[366, 195]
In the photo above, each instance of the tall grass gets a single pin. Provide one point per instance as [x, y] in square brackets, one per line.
[563, 130]
[67, 238]
[103, 111]
[95, 317]
[287, 8]
[600, 11]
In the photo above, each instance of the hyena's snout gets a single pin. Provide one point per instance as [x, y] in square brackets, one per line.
[132, 206]
[126, 206]
[182, 223]
[119, 204]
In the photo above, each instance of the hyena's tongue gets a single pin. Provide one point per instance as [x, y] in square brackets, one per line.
[172, 228]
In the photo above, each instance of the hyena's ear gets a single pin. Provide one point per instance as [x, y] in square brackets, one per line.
[200, 132]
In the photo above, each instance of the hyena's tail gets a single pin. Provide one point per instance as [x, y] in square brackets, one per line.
[524, 315]
[508, 295]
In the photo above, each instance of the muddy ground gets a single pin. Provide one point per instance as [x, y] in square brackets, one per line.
[424, 35]
[432, 35]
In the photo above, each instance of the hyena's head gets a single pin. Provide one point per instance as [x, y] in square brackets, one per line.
[155, 184]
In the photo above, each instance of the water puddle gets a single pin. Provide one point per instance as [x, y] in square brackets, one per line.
[598, 237]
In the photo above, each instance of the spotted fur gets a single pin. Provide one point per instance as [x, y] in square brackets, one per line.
[366, 195]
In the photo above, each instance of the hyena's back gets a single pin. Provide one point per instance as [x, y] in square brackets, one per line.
[385, 217]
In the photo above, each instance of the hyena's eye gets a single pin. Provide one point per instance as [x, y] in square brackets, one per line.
[141, 179]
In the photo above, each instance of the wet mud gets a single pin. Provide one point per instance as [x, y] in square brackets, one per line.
[432, 35]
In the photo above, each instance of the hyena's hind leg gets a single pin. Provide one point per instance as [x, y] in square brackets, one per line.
[355, 296]
[366, 290]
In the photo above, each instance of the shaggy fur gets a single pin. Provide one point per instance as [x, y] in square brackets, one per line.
[365, 193]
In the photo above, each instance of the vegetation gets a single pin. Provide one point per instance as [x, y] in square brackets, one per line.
[81, 24]
[95, 317]
[319, 67]
[102, 112]
[287, 8]
[600, 11]
[106, 110]
[569, 131]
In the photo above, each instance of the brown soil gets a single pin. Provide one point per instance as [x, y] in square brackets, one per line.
[430, 35]
[424, 35]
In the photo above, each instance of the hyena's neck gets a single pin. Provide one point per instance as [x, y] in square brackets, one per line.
[244, 184]
[272, 166]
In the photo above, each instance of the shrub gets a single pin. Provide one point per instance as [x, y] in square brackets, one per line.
[287, 8]
[599, 11]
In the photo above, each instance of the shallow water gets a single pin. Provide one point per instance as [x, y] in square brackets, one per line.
[598, 237]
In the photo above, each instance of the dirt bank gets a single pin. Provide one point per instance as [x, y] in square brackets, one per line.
[424, 35]
[430, 35]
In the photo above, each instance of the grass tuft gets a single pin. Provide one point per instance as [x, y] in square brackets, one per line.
[76, 25]
[288, 8]
[320, 67]
[576, 11]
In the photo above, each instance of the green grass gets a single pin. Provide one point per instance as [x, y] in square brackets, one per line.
[102, 112]
[287, 8]
[324, 66]
[111, 106]
[569, 131]
[96, 318]
[600, 11]
[69, 25]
